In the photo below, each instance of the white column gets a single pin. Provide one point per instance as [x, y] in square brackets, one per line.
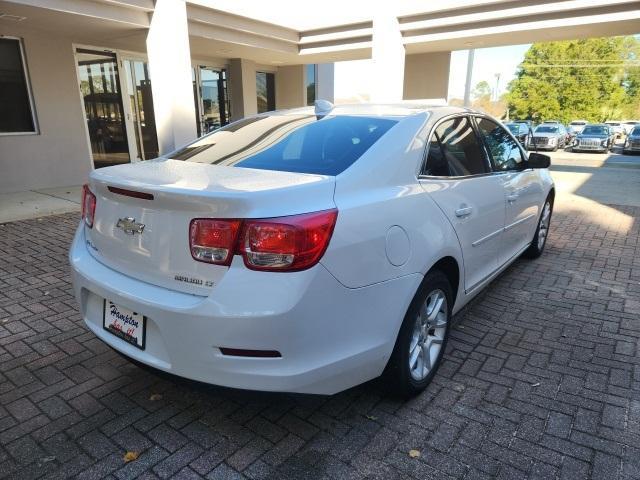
[242, 88]
[170, 69]
[291, 91]
[426, 75]
[325, 82]
[388, 53]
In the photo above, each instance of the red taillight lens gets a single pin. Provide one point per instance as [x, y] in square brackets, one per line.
[287, 243]
[88, 205]
[213, 241]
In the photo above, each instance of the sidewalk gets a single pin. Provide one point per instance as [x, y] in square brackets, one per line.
[39, 203]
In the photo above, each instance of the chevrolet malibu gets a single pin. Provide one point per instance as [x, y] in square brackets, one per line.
[308, 250]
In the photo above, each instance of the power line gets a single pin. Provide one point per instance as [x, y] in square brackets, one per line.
[577, 65]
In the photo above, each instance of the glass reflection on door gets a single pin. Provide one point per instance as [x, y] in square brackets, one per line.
[100, 88]
[212, 107]
[141, 101]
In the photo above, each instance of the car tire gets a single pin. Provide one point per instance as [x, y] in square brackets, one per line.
[542, 231]
[423, 336]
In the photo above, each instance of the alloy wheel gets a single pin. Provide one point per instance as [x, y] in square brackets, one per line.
[543, 230]
[429, 331]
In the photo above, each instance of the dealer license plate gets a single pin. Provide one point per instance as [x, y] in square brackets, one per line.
[124, 323]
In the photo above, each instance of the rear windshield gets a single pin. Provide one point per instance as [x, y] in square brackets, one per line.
[514, 127]
[635, 131]
[289, 143]
[595, 130]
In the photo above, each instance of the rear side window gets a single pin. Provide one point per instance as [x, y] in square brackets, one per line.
[454, 150]
[290, 143]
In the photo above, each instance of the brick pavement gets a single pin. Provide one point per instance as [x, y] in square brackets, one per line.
[541, 380]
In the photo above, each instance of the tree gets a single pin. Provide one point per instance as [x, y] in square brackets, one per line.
[482, 100]
[482, 91]
[595, 79]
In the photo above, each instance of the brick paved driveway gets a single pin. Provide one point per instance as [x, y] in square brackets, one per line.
[541, 380]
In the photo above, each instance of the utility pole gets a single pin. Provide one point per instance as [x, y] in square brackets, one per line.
[467, 85]
[497, 75]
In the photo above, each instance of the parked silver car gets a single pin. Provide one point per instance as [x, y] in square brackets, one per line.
[615, 128]
[548, 136]
[575, 127]
[629, 125]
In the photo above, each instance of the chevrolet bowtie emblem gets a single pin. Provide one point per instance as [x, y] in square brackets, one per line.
[129, 226]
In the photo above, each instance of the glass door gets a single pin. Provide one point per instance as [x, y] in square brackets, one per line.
[141, 104]
[210, 96]
[100, 89]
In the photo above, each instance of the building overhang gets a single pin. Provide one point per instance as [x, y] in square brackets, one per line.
[215, 33]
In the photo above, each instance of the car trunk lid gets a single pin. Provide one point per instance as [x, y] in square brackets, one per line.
[143, 212]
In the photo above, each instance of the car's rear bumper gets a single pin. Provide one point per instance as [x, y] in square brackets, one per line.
[330, 337]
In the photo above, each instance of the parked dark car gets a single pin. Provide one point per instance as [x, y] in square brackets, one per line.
[593, 138]
[548, 136]
[520, 130]
[632, 142]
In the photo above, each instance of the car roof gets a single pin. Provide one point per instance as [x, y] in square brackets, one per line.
[400, 109]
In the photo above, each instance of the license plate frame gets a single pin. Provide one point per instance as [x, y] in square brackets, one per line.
[125, 316]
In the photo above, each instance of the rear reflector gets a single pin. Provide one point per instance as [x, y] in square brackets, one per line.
[213, 241]
[88, 205]
[238, 352]
[130, 193]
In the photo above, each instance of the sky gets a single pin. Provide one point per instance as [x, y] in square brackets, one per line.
[487, 63]
[352, 77]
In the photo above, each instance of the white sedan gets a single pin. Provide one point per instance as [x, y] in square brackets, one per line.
[308, 251]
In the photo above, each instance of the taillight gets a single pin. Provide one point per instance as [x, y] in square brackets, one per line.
[275, 244]
[88, 205]
[286, 243]
[213, 241]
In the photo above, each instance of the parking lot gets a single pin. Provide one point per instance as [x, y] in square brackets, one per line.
[541, 377]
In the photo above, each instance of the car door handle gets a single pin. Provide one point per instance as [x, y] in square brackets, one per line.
[512, 197]
[463, 212]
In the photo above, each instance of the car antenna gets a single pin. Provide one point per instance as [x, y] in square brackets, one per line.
[322, 108]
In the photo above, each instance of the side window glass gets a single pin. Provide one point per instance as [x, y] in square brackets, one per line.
[504, 150]
[459, 150]
[436, 164]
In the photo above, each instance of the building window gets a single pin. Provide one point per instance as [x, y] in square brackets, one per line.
[266, 91]
[15, 95]
[311, 84]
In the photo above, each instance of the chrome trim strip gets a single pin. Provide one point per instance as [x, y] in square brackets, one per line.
[488, 237]
[518, 222]
[482, 240]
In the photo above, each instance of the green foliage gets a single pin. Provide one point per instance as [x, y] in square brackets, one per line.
[482, 91]
[596, 79]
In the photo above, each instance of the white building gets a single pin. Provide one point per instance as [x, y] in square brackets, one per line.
[88, 83]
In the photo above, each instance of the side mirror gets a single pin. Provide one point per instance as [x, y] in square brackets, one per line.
[538, 160]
